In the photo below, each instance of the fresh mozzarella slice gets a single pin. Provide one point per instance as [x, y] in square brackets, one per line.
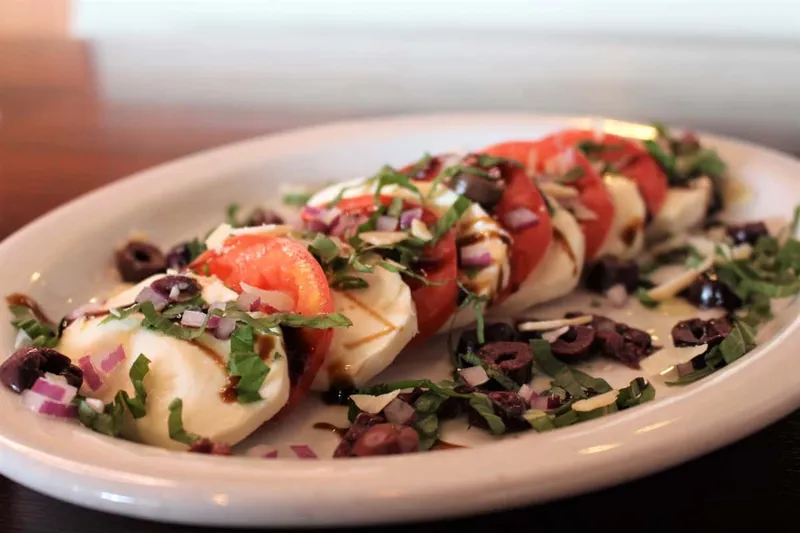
[475, 226]
[684, 209]
[559, 272]
[626, 237]
[193, 371]
[384, 322]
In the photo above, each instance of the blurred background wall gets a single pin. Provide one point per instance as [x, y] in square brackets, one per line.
[728, 66]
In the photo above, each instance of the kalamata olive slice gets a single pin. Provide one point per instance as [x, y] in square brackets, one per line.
[179, 256]
[386, 439]
[26, 365]
[708, 291]
[500, 332]
[620, 341]
[139, 260]
[261, 217]
[468, 342]
[747, 233]
[176, 288]
[206, 446]
[609, 271]
[694, 332]
[635, 336]
[513, 359]
[481, 190]
[574, 343]
[360, 425]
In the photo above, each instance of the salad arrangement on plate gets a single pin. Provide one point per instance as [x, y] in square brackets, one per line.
[204, 345]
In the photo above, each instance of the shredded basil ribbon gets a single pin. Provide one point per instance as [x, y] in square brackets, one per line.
[175, 424]
[42, 334]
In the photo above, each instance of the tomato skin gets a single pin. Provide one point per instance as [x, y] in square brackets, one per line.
[435, 304]
[278, 263]
[633, 161]
[593, 193]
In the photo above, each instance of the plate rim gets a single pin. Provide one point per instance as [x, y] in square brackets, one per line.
[232, 502]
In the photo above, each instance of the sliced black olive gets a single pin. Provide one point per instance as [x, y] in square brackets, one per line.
[608, 271]
[261, 217]
[139, 260]
[186, 287]
[206, 446]
[26, 365]
[513, 359]
[179, 256]
[500, 332]
[574, 343]
[486, 192]
[508, 405]
[747, 233]
[694, 332]
[468, 342]
[338, 395]
[386, 439]
[708, 291]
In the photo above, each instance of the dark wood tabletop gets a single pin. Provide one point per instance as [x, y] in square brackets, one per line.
[60, 136]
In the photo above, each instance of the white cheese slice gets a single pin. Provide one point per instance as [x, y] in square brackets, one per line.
[626, 236]
[547, 325]
[374, 404]
[684, 209]
[596, 402]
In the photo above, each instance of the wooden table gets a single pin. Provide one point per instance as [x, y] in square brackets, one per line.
[60, 138]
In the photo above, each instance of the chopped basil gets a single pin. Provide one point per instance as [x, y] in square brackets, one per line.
[539, 420]
[345, 282]
[298, 199]
[266, 325]
[389, 176]
[137, 373]
[550, 209]
[428, 429]
[450, 217]
[638, 392]
[578, 384]
[404, 270]
[175, 424]
[483, 405]
[395, 208]
[246, 364]
[491, 371]
[109, 422]
[575, 173]
[645, 299]
[195, 248]
[324, 249]
[739, 341]
[486, 160]
[42, 334]
[231, 215]
[691, 377]
[476, 301]
[665, 161]
[175, 310]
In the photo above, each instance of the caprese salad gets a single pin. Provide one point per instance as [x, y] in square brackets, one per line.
[206, 344]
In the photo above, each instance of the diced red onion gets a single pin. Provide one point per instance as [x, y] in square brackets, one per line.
[475, 256]
[224, 329]
[520, 218]
[398, 412]
[90, 376]
[193, 319]
[213, 322]
[303, 451]
[329, 217]
[262, 451]
[386, 223]
[85, 309]
[316, 226]
[343, 225]
[312, 212]
[149, 295]
[526, 393]
[56, 389]
[474, 375]
[248, 301]
[45, 406]
[280, 301]
[110, 361]
[617, 295]
[539, 402]
[552, 336]
[408, 215]
[685, 368]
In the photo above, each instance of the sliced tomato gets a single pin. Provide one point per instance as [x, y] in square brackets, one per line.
[536, 155]
[435, 302]
[628, 158]
[281, 264]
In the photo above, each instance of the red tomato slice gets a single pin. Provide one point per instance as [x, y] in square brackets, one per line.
[593, 194]
[277, 263]
[629, 159]
[435, 303]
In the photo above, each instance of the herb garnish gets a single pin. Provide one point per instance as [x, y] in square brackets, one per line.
[109, 422]
[298, 199]
[645, 299]
[175, 424]
[42, 334]
[450, 217]
[246, 364]
[137, 373]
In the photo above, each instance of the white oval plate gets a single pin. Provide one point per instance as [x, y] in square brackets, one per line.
[64, 258]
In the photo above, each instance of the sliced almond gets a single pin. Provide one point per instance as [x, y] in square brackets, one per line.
[216, 240]
[671, 288]
[667, 358]
[374, 404]
[420, 230]
[383, 238]
[596, 402]
[275, 230]
[546, 325]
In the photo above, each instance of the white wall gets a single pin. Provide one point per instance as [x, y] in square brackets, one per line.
[732, 67]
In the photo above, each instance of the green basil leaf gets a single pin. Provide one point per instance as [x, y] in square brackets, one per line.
[492, 371]
[539, 420]
[389, 176]
[137, 373]
[175, 424]
[691, 377]
[429, 403]
[42, 334]
[428, 429]
[324, 249]
[177, 309]
[450, 217]
[109, 422]
[572, 380]
[298, 199]
[638, 392]
[195, 247]
[231, 215]
[738, 342]
[483, 405]
[645, 299]
[395, 208]
[345, 282]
